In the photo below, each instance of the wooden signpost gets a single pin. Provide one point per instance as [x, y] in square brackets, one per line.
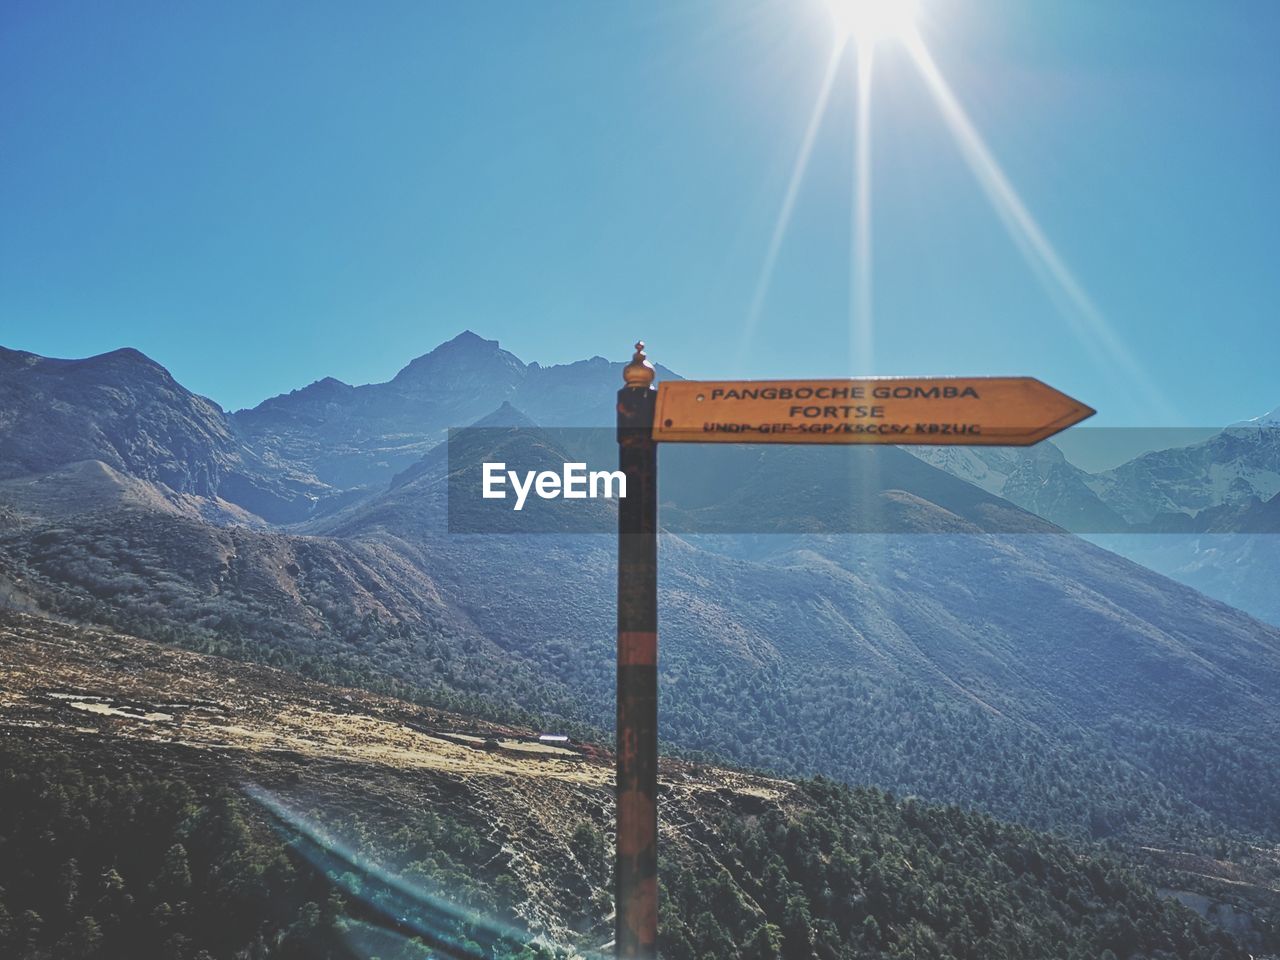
[1006, 411]
[1002, 411]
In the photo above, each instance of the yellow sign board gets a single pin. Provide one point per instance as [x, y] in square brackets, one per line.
[967, 411]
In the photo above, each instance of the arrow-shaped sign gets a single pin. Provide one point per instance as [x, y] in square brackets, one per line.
[966, 411]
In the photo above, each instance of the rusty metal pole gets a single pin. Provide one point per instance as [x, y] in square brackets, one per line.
[636, 872]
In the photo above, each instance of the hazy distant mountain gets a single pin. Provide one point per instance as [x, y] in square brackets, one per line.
[1231, 551]
[1212, 503]
[985, 467]
[1039, 479]
[1233, 466]
[1239, 569]
[1237, 516]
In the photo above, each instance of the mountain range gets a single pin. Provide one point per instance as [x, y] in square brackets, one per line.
[360, 437]
[979, 655]
[1237, 465]
[291, 457]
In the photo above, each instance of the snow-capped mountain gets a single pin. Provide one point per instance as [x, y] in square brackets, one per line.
[1039, 478]
[1203, 513]
[1238, 464]
[1271, 419]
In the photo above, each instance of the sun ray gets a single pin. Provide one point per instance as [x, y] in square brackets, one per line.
[1092, 328]
[862, 325]
[861, 284]
[793, 190]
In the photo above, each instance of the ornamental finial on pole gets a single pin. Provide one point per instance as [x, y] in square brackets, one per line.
[639, 373]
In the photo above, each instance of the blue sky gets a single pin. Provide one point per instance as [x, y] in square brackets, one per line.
[262, 194]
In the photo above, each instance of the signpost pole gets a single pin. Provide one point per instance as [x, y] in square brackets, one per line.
[636, 872]
[960, 411]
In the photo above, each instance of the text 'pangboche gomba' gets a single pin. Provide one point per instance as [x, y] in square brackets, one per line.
[996, 411]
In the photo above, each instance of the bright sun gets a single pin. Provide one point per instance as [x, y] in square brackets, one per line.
[867, 21]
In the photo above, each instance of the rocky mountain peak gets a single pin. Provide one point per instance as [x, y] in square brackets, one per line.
[122, 358]
[505, 416]
[330, 383]
[123, 355]
[456, 361]
[123, 361]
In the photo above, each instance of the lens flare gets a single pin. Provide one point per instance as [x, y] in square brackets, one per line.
[396, 911]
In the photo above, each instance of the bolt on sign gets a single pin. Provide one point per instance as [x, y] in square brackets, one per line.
[1010, 411]
[997, 411]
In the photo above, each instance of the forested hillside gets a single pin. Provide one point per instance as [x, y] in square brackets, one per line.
[239, 812]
